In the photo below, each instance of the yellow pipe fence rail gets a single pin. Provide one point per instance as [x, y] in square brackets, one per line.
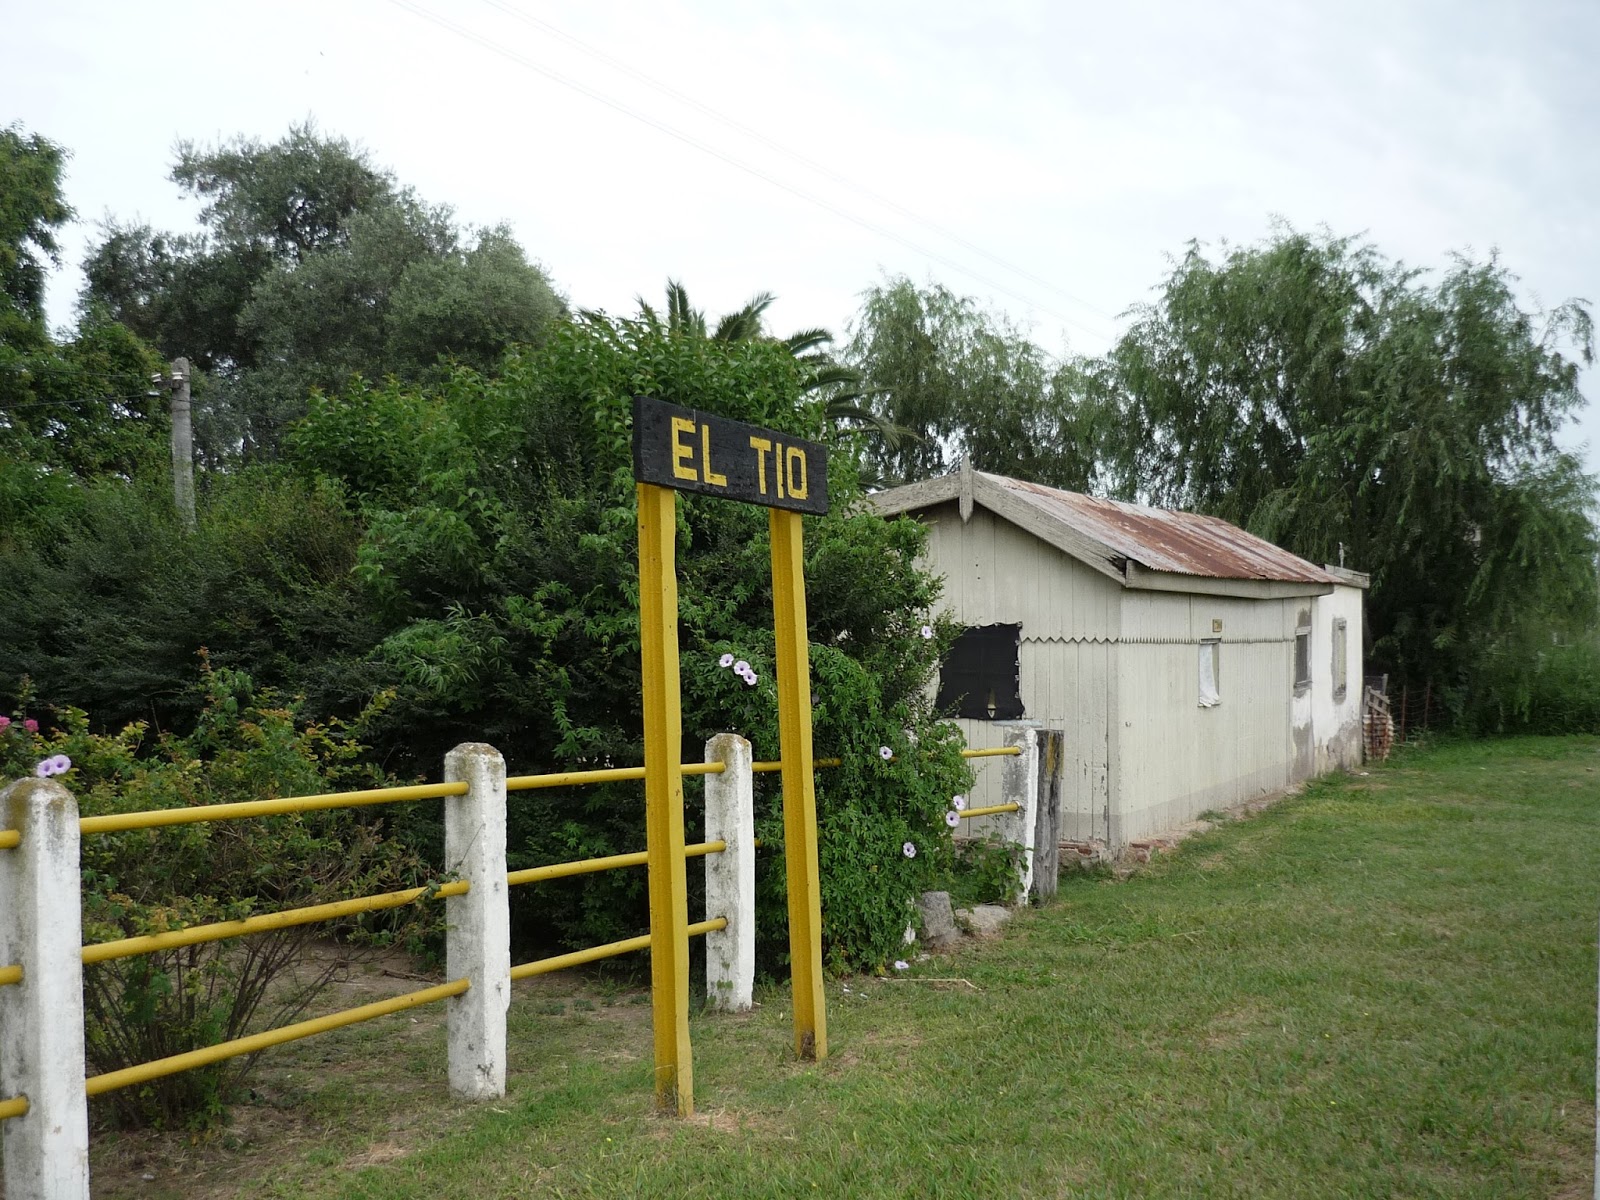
[158, 818]
[967, 814]
[10, 975]
[110, 1081]
[545, 966]
[17, 1107]
[173, 939]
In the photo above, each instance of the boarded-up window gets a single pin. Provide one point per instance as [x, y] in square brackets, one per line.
[1340, 657]
[1302, 659]
[980, 678]
[1210, 674]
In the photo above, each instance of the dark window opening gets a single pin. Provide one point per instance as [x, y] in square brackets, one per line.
[980, 678]
[1302, 660]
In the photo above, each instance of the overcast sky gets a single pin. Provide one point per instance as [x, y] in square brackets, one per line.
[1043, 157]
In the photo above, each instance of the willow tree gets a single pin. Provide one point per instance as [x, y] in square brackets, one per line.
[958, 379]
[1350, 407]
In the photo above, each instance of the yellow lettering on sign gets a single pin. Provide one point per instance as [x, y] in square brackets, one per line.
[761, 446]
[711, 476]
[777, 467]
[680, 452]
[797, 481]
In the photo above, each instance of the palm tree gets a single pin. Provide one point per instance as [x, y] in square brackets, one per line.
[840, 387]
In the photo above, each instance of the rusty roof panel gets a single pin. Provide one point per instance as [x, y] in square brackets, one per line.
[1164, 539]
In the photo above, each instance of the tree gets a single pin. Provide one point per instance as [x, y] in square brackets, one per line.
[311, 267]
[72, 410]
[1342, 404]
[31, 210]
[959, 380]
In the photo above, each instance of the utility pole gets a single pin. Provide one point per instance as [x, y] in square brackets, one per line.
[182, 445]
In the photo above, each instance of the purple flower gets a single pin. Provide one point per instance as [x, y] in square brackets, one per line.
[44, 770]
[725, 661]
[909, 849]
[885, 753]
[959, 803]
[952, 818]
[740, 667]
[31, 725]
[61, 763]
[927, 631]
[901, 964]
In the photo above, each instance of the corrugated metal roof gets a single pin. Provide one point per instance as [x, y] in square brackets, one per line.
[1164, 539]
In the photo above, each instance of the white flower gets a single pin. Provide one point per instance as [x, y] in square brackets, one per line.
[750, 677]
[952, 818]
[740, 667]
[725, 661]
[901, 964]
[959, 803]
[885, 753]
[927, 631]
[909, 849]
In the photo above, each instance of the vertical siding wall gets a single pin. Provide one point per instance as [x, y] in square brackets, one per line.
[994, 573]
[1177, 759]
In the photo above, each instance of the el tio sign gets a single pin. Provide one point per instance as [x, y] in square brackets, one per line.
[691, 451]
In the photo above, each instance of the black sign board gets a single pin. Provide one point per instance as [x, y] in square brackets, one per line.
[693, 451]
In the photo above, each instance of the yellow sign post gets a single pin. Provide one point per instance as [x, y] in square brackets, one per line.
[663, 798]
[799, 784]
[683, 449]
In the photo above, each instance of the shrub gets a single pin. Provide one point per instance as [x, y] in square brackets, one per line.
[147, 881]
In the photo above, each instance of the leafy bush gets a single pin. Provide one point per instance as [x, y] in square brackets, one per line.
[149, 881]
[500, 557]
[985, 872]
[1536, 684]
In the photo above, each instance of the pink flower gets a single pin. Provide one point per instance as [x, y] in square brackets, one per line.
[885, 753]
[4, 722]
[31, 725]
[725, 661]
[909, 849]
[952, 818]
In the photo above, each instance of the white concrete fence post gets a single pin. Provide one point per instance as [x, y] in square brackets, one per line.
[1019, 784]
[731, 875]
[41, 1019]
[478, 924]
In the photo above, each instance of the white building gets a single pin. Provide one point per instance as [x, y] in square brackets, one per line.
[1190, 665]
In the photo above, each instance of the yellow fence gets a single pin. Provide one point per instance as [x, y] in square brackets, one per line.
[219, 931]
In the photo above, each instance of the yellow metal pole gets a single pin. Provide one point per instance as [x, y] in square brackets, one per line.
[663, 798]
[799, 784]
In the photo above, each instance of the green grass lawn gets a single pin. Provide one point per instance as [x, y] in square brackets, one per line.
[1382, 987]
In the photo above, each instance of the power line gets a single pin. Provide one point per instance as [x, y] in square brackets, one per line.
[822, 168]
[705, 148]
[5, 408]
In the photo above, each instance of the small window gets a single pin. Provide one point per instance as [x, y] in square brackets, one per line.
[1210, 673]
[980, 679]
[1302, 659]
[1340, 659]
